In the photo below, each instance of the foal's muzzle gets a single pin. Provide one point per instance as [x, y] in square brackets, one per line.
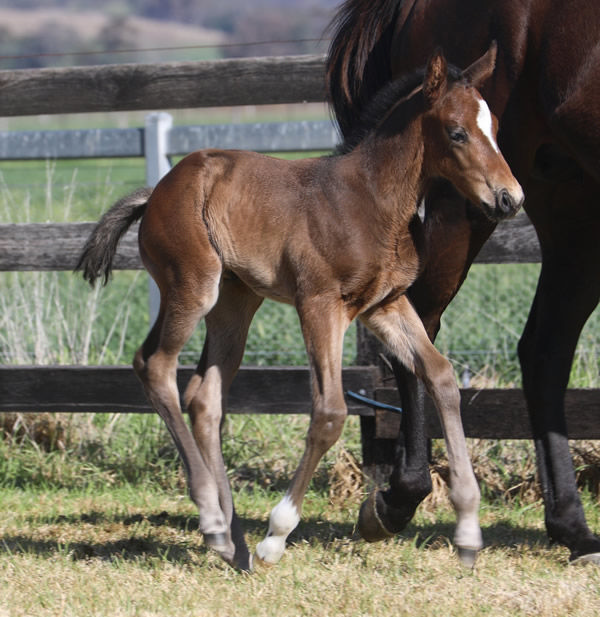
[506, 204]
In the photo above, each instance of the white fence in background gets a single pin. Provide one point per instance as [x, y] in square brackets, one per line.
[159, 140]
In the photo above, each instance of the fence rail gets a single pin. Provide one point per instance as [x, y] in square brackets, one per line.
[173, 85]
[56, 246]
[268, 390]
[304, 136]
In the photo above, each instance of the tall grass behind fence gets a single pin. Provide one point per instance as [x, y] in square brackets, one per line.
[56, 318]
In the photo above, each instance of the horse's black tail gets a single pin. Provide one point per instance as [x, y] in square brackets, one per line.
[98, 253]
[358, 62]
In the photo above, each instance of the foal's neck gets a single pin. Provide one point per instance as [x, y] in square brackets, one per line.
[394, 166]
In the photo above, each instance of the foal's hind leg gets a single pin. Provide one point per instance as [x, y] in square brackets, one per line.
[185, 299]
[400, 328]
[205, 397]
[323, 327]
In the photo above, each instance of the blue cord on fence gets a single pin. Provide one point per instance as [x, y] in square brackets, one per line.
[372, 403]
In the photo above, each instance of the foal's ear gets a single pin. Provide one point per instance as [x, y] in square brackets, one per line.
[436, 77]
[482, 69]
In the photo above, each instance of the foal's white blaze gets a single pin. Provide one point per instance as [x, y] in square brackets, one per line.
[484, 122]
[283, 520]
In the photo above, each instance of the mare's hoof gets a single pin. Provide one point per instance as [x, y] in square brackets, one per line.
[370, 526]
[467, 556]
[584, 559]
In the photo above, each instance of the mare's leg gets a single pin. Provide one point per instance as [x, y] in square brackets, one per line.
[205, 397]
[399, 327]
[453, 232]
[567, 218]
[187, 295]
[323, 327]
[385, 513]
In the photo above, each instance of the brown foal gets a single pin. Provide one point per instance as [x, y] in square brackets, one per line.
[333, 237]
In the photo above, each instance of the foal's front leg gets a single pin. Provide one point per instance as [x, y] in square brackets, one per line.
[399, 327]
[323, 331]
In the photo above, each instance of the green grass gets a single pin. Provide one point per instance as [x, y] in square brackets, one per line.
[100, 524]
[137, 553]
[66, 190]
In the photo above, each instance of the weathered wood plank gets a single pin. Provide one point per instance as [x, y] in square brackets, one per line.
[56, 246]
[498, 414]
[487, 414]
[173, 85]
[270, 390]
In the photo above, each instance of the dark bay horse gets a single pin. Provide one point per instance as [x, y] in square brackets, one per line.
[332, 236]
[546, 95]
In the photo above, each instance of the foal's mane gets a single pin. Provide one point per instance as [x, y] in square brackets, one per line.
[389, 99]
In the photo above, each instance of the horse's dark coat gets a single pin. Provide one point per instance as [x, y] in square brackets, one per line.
[546, 95]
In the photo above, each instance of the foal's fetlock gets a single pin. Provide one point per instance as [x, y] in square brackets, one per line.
[468, 541]
[283, 520]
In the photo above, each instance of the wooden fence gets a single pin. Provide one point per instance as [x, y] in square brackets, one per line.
[53, 246]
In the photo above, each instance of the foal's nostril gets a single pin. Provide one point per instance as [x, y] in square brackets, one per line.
[505, 202]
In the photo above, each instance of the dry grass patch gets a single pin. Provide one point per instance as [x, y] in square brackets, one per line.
[132, 549]
[137, 553]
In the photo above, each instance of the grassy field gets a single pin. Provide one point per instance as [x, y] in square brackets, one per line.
[95, 521]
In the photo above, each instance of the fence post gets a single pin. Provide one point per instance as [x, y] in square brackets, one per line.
[378, 440]
[156, 142]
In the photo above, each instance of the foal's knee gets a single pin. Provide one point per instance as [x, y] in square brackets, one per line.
[327, 425]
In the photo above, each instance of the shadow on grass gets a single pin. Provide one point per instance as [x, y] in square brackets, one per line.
[146, 543]
[131, 549]
[428, 536]
[501, 535]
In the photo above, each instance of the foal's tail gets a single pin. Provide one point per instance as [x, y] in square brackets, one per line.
[98, 253]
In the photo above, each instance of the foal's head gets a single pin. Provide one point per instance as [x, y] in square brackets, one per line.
[460, 137]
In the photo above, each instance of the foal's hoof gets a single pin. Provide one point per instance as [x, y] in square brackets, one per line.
[370, 526]
[239, 559]
[467, 556]
[218, 542]
[260, 564]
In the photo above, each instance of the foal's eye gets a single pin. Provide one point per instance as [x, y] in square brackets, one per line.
[457, 134]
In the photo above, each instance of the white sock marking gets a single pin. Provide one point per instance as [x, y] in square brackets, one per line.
[484, 122]
[283, 520]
